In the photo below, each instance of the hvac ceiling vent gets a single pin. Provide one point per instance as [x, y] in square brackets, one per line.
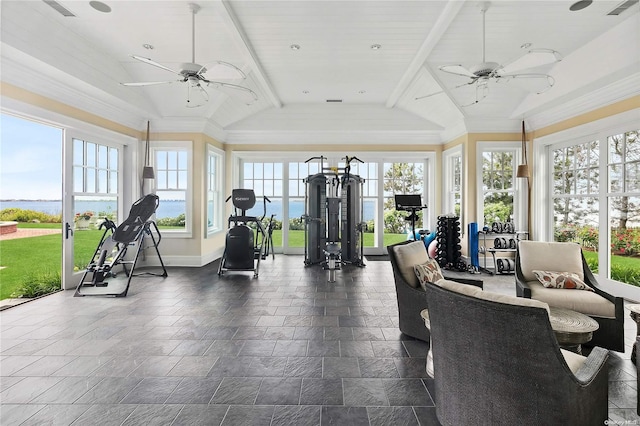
[622, 7]
[336, 101]
[60, 8]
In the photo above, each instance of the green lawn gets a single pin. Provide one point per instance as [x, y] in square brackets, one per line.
[22, 257]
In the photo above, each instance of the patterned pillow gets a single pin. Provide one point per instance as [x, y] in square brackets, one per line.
[552, 279]
[429, 271]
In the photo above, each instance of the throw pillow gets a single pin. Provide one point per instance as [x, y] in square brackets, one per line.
[428, 272]
[551, 279]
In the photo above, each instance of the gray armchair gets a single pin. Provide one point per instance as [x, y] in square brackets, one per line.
[411, 297]
[497, 362]
[637, 343]
[603, 307]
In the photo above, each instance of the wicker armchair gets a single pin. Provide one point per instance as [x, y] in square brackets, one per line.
[637, 343]
[497, 362]
[411, 297]
[606, 309]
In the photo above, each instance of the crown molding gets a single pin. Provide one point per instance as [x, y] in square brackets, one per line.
[492, 125]
[596, 98]
[43, 80]
[356, 137]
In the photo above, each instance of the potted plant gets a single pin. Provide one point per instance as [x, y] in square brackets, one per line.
[83, 220]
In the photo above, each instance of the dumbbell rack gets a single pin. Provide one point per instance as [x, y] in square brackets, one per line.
[508, 244]
[448, 253]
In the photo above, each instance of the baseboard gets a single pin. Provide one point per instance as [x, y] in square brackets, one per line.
[177, 260]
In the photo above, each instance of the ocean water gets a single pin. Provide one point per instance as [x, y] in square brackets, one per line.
[167, 208]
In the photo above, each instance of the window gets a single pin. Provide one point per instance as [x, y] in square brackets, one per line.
[369, 172]
[575, 187]
[95, 168]
[214, 190]
[172, 162]
[298, 171]
[266, 179]
[452, 181]
[95, 181]
[624, 205]
[498, 186]
[400, 178]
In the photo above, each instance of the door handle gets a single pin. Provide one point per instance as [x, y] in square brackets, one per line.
[68, 231]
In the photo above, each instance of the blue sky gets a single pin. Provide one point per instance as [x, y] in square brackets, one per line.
[30, 160]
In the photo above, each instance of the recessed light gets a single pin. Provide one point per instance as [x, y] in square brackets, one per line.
[148, 46]
[376, 47]
[100, 7]
[579, 5]
[295, 47]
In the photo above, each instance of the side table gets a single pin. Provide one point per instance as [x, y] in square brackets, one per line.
[635, 316]
[425, 316]
[571, 328]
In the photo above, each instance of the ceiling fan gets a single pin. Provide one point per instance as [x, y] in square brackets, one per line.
[192, 73]
[486, 72]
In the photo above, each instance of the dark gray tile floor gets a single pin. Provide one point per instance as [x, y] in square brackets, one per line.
[288, 348]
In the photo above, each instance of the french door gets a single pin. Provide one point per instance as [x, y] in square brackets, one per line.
[92, 188]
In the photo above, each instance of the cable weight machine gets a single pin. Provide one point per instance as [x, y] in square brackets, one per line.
[333, 217]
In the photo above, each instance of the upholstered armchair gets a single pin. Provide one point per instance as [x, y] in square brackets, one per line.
[606, 309]
[411, 297]
[637, 344]
[497, 362]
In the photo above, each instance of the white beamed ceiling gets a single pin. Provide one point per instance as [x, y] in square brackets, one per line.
[81, 60]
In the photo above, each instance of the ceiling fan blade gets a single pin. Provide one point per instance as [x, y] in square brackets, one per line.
[146, 83]
[532, 59]
[221, 70]
[429, 95]
[247, 95]
[457, 70]
[154, 63]
[539, 83]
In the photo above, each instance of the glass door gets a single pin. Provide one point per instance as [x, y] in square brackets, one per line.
[92, 188]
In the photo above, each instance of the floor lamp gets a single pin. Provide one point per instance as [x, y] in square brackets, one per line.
[523, 172]
[147, 171]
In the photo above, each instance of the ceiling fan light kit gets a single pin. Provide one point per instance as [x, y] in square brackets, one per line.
[192, 73]
[485, 72]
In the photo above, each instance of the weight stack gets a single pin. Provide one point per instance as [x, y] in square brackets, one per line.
[448, 253]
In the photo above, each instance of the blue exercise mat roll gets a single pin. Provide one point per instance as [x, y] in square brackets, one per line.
[473, 244]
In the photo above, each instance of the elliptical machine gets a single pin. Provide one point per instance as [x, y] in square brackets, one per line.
[244, 248]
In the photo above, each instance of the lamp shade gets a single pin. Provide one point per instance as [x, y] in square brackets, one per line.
[148, 173]
[523, 171]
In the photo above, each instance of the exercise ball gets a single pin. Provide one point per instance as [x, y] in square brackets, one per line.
[433, 246]
[427, 239]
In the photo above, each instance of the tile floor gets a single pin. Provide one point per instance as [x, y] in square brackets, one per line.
[288, 348]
